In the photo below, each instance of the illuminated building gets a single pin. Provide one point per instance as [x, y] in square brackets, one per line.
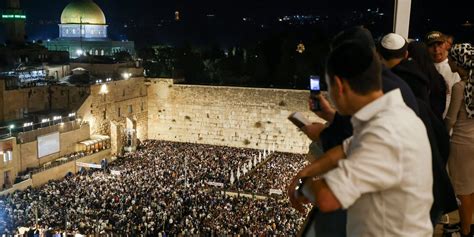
[83, 31]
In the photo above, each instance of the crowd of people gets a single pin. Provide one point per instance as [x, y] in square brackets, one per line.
[159, 189]
[274, 174]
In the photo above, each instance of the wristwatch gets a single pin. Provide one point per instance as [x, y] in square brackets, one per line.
[299, 186]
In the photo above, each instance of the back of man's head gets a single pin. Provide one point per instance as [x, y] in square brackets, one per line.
[392, 46]
[357, 64]
[356, 33]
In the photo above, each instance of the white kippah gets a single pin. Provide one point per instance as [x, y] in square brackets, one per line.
[393, 41]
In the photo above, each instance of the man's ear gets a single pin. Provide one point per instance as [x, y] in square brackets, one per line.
[339, 85]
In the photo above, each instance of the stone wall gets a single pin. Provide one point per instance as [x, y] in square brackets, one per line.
[37, 99]
[9, 166]
[230, 116]
[125, 99]
[58, 172]
[68, 141]
[17, 187]
[58, 71]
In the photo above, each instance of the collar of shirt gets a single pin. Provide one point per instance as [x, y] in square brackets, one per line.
[442, 63]
[390, 99]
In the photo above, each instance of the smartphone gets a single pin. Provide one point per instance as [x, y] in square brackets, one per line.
[315, 89]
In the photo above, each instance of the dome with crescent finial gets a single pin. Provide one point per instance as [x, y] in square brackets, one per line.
[83, 12]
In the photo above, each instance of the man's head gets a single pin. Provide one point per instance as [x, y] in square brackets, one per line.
[437, 46]
[353, 73]
[392, 48]
[356, 33]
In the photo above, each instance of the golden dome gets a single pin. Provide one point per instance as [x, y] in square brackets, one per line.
[83, 11]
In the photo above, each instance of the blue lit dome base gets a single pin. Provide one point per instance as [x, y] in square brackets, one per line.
[85, 31]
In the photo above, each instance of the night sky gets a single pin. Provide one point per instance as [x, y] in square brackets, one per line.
[138, 8]
[119, 12]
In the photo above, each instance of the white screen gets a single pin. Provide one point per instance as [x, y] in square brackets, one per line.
[48, 144]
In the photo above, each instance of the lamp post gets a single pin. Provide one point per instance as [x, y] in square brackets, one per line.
[10, 129]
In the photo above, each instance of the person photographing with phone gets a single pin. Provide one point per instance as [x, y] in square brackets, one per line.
[338, 127]
[381, 174]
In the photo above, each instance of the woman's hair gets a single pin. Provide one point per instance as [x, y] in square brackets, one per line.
[418, 52]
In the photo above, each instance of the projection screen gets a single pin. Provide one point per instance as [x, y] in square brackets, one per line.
[48, 144]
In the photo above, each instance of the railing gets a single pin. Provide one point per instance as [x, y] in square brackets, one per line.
[57, 123]
[30, 136]
[28, 173]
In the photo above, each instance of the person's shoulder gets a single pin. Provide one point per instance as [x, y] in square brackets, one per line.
[458, 87]
[397, 117]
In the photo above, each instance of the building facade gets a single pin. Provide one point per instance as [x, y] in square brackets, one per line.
[83, 31]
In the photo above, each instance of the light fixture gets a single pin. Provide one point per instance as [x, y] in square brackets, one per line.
[72, 114]
[103, 89]
[27, 124]
[126, 75]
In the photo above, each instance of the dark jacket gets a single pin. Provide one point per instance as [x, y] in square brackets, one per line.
[444, 197]
[443, 192]
[415, 78]
[438, 88]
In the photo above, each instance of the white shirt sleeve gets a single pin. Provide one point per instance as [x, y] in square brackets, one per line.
[372, 164]
[457, 78]
[346, 144]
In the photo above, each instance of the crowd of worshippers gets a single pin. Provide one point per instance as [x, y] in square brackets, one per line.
[398, 145]
[274, 174]
[151, 194]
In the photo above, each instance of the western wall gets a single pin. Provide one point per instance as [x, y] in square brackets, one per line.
[228, 116]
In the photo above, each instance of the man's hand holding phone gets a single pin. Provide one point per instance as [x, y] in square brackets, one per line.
[326, 111]
[317, 103]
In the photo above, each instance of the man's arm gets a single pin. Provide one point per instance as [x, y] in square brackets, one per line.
[326, 201]
[325, 163]
[313, 130]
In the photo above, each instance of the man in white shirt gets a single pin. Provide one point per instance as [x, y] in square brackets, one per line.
[438, 49]
[382, 174]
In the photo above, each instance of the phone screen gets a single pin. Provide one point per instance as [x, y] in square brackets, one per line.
[314, 84]
[315, 89]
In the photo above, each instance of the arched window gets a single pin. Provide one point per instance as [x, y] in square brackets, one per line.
[102, 52]
[90, 52]
[96, 52]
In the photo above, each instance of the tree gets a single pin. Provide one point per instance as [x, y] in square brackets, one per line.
[123, 56]
[146, 54]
